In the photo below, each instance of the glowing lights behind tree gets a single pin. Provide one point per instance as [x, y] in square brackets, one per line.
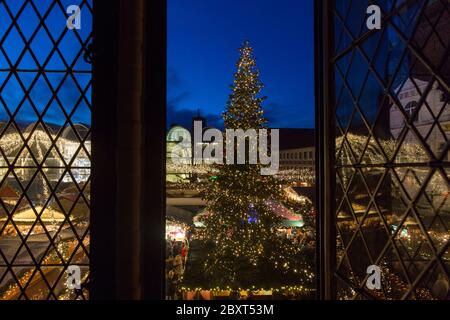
[54, 152]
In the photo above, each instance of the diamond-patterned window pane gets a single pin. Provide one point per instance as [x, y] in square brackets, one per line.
[393, 129]
[45, 147]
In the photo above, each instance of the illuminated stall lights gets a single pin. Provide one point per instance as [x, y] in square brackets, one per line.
[176, 230]
[29, 215]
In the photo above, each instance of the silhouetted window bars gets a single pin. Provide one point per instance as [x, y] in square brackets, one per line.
[45, 134]
[392, 188]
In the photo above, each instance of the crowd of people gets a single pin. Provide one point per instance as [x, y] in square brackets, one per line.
[176, 256]
[302, 237]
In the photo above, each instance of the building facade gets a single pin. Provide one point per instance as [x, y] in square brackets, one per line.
[431, 117]
[295, 159]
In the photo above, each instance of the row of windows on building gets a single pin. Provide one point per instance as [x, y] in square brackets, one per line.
[295, 159]
[297, 154]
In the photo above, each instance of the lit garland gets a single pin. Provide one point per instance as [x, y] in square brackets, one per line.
[205, 171]
[301, 290]
[373, 153]
[40, 143]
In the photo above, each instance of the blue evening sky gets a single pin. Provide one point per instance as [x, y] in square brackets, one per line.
[27, 79]
[203, 41]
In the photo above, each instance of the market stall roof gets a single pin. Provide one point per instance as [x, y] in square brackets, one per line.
[29, 215]
[7, 192]
[179, 214]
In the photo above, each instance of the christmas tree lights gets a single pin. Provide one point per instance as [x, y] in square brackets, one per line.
[241, 230]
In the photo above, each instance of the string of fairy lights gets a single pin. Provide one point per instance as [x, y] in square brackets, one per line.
[304, 175]
[40, 143]
[371, 151]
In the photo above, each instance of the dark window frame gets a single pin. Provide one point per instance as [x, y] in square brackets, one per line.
[106, 281]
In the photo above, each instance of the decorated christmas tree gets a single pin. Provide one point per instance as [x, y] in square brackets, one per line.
[244, 249]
